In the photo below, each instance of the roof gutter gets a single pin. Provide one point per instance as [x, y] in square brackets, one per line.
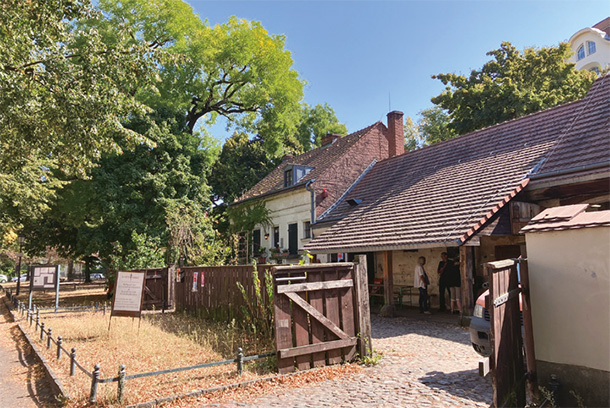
[561, 172]
[313, 200]
[270, 193]
[373, 248]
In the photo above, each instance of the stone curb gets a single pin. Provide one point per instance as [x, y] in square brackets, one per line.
[56, 385]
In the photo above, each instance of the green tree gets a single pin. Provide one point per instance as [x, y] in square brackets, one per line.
[435, 126]
[511, 85]
[432, 127]
[412, 135]
[140, 191]
[315, 123]
[64, 95]
[235, 70]
[242, 163]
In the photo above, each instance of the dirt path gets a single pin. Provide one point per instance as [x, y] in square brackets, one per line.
[22, 382]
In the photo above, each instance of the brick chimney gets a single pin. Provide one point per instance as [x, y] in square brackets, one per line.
[287, 157]
[330, 139]
[396, 134]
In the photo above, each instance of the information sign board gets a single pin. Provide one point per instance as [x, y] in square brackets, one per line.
[44, 277]
[128, 294]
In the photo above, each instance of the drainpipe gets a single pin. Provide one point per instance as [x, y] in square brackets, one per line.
[313, 200]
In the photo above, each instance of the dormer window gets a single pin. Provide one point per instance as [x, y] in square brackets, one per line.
[590, 47]
[293, 174]
[580, 54]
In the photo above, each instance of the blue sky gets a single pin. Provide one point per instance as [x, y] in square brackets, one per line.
[363, 57]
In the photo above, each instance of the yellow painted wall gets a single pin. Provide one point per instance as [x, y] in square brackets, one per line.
[570, 294]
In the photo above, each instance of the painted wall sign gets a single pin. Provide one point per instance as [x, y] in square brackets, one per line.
[202, 279]
[44, 277]
[128, 294]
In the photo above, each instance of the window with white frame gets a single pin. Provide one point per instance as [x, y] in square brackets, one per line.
[590, 47]
[580, 54]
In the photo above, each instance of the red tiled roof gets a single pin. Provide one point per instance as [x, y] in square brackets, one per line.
[586, 140]
[567, 217]
[438, 195]
[320, 159]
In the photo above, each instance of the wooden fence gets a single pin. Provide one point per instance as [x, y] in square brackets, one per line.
[321, 314]
[213, 289]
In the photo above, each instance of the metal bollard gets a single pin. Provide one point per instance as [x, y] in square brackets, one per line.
[104, 308]
[37, 323]
[28, 317]
[49, 335]
[41, 331]
[72, 362]
[121, 386]
[97, 307]
[59, 343]
[240, 360]
[94, 379]
[37, 315]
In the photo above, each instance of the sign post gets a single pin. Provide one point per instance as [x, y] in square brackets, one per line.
[128, 295]
[44, 277]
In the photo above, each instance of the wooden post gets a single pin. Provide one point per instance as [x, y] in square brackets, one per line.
[528, 328]
[363, 312]
[466, 263]
[388, 286]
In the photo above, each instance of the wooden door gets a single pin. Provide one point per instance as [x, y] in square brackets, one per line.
[506, 361]
[316, 316]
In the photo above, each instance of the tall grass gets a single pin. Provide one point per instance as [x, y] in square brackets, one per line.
[259, 312]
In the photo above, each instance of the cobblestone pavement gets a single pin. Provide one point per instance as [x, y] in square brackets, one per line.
[425, 364]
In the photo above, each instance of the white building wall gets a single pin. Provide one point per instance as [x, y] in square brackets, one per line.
[570, 295]
[600, 59]
[288, 208]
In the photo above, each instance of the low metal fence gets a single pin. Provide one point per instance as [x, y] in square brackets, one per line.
[32, 317]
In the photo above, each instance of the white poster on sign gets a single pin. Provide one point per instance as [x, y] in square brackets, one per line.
[128, 293]
[43, 277]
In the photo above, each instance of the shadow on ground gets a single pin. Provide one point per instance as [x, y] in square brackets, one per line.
[464, 384]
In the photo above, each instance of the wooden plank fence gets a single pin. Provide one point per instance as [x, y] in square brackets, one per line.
[213, 289]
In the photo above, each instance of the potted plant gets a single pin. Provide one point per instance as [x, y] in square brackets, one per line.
[274, 252]
[262, 255]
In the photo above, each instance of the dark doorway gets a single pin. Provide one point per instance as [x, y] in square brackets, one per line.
[293, 239]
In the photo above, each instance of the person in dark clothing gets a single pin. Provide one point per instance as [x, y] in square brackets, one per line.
[443, 272]
[454, 282]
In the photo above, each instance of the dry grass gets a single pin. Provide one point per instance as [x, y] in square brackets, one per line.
[163, 341]
[152, 347]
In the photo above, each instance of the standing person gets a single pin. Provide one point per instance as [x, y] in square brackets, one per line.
[454, 282]
[443, 269]
[421, 282]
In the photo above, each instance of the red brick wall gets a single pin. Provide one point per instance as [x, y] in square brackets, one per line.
[342, 174]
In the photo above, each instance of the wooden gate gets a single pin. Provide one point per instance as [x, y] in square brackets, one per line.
[159, 289]
[321, 314]
[506, 361]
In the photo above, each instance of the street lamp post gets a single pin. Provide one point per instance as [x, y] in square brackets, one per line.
[20, 239]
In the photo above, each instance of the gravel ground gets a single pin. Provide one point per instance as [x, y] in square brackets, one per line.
[426, 363]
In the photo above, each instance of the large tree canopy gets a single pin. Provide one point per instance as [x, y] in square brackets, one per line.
[512, 84]
[235, 70]
[64, 94]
